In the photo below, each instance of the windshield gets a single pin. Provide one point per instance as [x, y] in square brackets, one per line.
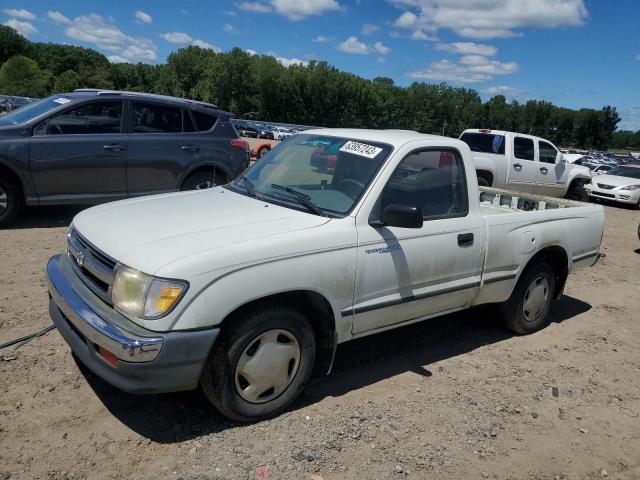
[26, 113]
[630, 172]
[330, 172]
[484, 142]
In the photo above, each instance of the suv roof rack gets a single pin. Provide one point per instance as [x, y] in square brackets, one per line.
[102, 91]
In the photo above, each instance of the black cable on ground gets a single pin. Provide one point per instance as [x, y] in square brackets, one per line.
[26, 338]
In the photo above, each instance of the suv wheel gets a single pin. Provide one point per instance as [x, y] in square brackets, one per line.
[527, 309]
[202, 181]
[9, 201]
[261, 364]
[262, 152]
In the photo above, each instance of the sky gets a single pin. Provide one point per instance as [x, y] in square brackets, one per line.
[574, 53]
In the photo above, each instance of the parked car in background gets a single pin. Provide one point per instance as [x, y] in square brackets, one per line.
[524, 163]
[246, 130]
[94, 146]
[9, 103]
[282, 132]
[264, 131]
[600, 169]
[620, 184]
[249, 292]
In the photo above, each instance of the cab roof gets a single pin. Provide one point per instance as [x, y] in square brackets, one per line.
[395, 138]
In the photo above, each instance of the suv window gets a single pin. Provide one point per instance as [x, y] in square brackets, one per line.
[154, 118]
[187, 122]
[87, 119]
[434, 180]
[548, 152]
[523, 148]
[204, 121]
[484, 142]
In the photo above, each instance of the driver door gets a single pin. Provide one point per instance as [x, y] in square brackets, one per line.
[409, 273]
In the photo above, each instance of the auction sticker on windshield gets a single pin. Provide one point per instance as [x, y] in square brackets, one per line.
[361, 149]
[62, 100]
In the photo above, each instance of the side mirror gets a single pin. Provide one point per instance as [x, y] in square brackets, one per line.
[403, 216]
[560, 158]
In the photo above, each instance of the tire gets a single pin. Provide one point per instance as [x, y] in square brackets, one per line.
[227, 374]
[10, 200]
[202, 181]
[527, 309]
[483, 182]
[262, 152]
[577, 192]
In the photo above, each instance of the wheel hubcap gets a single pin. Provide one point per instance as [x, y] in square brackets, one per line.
[3, 200]
[535, 299]
[267, 366]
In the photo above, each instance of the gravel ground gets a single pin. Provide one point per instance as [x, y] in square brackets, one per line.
[456, 397]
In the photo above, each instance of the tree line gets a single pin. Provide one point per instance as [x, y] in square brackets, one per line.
[312, 94]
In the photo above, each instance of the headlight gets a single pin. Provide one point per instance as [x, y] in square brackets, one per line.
[144, 296]
[631, 187]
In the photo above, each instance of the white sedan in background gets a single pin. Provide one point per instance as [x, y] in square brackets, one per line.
[620, 184]
[281, 133]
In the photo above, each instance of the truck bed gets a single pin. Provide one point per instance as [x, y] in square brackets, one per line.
[494, 201]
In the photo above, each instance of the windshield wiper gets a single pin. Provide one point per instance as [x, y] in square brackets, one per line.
[248, 186]
[303, 198]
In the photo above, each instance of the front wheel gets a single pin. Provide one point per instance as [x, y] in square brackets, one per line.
[202, 181]
[9, 201]
[483, 182]
[262, 152]
[527, 309]
[260, 364]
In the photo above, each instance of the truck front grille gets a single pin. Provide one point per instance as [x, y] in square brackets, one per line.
[93, 267]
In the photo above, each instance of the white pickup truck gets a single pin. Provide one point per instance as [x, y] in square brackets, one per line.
[247, 289]
[524, 163]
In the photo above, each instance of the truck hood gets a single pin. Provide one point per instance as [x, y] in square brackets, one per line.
[150, 232]
[615, 180]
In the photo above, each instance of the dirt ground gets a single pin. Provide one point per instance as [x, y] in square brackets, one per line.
[455, 397]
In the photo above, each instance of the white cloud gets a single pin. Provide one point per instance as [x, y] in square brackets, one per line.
[322, 39]
[630, 118]
[298, 9]
[638, 56]
[468, 48]
[251, 52]
[105, 35]
[144, 17]
[58, 18]
[117, 59]
[23, 28]
[231, 13]
[381, 48]
[382, 60]
[287, 62]
[489, 18]
[257, 7]
[209, 46]
[176, 37]
[19, 13]
[394, 34]
[420, 35]
[354, 46]
[230, 29]
[470, 69]
[369, 28]
[507, 91]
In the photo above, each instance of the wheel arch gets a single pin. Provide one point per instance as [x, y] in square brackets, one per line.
[314, 306]
[211, 166]
[486, 174]
[557, 258]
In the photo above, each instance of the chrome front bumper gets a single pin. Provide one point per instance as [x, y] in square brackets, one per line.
[148, 362]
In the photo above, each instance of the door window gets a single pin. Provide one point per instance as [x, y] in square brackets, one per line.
[87, 119]
[548, 152]
[433, 180]
[523, 148]
[204, 121]
[154, 118]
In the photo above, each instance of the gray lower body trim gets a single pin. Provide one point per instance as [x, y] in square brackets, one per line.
[584, 256]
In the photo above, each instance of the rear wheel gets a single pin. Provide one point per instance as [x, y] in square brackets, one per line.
[9, 201]
[260, 364]
[527, 309]
[202, 181]
[262, 152]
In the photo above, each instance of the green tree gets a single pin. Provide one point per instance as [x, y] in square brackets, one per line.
[23, 77]
[11, 43]
[67, 81]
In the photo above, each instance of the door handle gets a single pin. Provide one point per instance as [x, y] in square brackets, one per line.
[465, 239]
[190, 148]
[517, 166]
[544, 170]
[113, 147]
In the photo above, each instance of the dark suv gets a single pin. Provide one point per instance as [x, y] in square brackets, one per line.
[94, 146]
